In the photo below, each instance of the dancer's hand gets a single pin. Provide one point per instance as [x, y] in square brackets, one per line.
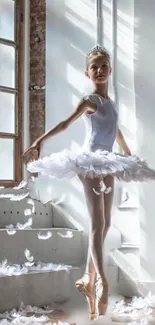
[32, 153]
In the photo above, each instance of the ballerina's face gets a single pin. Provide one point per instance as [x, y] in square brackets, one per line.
[98, 68]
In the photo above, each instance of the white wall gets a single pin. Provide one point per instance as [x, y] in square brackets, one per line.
[71, 32]
[145, 112]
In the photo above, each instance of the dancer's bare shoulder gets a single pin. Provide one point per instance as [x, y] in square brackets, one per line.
[84, 106]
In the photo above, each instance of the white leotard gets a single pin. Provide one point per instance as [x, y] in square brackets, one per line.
[101, 125]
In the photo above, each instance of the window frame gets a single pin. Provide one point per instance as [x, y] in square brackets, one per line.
[18, 91]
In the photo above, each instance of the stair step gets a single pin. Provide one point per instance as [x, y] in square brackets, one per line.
[129, 266]
[126, 262]
[37, 288]
[130, 249]
[129, 245]
[63, 218]
[133, 278]
[13, 212]
[65, 246]
[44, 215]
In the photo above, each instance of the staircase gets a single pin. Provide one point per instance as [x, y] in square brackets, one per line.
[41, 262]
[26, 272]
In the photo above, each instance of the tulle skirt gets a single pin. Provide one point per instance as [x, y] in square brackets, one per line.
[85, 163]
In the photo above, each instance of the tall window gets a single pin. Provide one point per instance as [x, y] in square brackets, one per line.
[11, 17]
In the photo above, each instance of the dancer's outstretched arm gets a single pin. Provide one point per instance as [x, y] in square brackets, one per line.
[82, 107]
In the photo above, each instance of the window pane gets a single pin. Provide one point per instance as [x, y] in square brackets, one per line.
[7, 19]
[7, 69]
[6, 159]
[7, 112]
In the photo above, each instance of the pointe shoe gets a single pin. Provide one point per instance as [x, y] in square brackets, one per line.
[101, 297]
[88, 292]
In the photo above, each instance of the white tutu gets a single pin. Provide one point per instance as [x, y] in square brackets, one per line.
[67, 164]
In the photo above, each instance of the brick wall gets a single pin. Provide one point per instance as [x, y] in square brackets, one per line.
[37, 68]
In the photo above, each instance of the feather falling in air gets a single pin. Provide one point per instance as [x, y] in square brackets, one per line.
[28, 255]
[27, 212]
[31, 202]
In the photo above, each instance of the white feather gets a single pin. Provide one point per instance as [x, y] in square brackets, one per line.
[26, 225]
[69, 234]
[10, 229]
[33, 309]
[27, 212]
[50, 266]
[32, 178]
[31, 320]
[11, 232]
[45, 236]
[108, 190]
[19, 197]
[28, 255]
[31, 202]
[21, 185]
[103, 189]
[13, 197]
[9, 270]
[96, 192]
[102, 186]
[23, 320]
[6, 196]
[33, 209]
[138, 311]
[29, 264]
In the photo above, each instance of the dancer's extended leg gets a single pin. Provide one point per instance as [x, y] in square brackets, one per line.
[108, 200]
[102, 288]
[95, 204]
[104, 213]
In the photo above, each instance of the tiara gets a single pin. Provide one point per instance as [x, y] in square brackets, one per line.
[97, 48]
